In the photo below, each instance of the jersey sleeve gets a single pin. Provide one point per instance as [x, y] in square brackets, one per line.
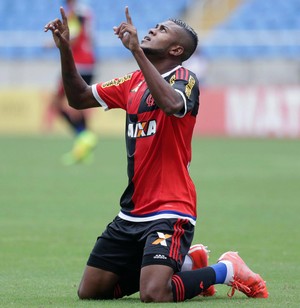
[187, 85]
[113, 93]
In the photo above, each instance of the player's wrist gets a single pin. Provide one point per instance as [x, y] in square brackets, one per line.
[137, 52]
[65, 49]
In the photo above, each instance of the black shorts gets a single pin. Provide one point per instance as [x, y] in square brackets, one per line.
[87, 78]
[127, 246]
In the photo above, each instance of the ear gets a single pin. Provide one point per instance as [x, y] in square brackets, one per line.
[176, 50]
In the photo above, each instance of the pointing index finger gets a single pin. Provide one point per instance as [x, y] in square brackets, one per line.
[128, 17]
[63, 16]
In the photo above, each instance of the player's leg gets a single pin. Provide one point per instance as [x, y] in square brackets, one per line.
[82, 150]
[155, 283]
[230, 270]
[113, 267]
[97, 284]
[197, 258]
[74, 118]
[86, 139]
[78, 119]
[58, 106]
[157, 277]
[167, 244]
[160, 284]
[100, 284]
[53, 108]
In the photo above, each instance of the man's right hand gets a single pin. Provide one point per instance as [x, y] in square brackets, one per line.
[127, 33]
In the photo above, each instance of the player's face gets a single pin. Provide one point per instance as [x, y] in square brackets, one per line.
[160, 39]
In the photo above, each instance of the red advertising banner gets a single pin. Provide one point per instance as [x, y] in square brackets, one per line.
[250, 112]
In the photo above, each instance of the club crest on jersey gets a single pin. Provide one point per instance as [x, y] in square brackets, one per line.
[161, 239]
[150, 101]
[141, 129]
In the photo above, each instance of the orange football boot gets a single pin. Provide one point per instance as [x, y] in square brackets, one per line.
[244, 279]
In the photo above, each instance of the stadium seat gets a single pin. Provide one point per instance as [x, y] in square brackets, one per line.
[16, 15]
[264, 21]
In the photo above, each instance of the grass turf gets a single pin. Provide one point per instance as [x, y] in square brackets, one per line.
[50, 216]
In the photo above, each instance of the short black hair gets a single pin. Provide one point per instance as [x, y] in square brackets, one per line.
[192, 34]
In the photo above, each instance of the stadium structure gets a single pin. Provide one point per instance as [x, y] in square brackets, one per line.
[247, 61]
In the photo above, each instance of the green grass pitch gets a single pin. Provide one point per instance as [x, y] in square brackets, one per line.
[50, 216]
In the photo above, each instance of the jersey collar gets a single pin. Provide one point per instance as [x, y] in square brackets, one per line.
[171, 71]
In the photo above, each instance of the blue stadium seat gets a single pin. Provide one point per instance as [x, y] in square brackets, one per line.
[256, 16]
[19, 15]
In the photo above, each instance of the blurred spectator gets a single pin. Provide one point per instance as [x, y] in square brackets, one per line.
[80, 24]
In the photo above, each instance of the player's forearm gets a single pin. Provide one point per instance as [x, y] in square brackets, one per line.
[74, 85]
[164, 95]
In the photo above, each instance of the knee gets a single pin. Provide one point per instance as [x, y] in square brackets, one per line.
[148, 295]
[83, 294]
[155, 284]
[153, 293]
[90, 293]
[96, 285]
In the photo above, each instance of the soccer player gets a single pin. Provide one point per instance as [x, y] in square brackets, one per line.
[145, 246]
[81, 42]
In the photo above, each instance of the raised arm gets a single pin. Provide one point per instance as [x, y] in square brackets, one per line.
[164, 95]
[78, 92]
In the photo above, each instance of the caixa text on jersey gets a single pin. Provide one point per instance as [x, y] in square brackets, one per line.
[141, 129]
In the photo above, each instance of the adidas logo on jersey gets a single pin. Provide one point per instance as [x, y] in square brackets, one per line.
[162, 257]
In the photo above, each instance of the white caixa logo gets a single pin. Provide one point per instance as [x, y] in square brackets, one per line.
[141, 129]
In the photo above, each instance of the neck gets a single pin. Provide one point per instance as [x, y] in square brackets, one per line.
[163, 65]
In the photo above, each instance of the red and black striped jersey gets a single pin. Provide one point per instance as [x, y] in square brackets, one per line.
[158, 146]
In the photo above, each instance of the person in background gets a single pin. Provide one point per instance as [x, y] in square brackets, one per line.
[81, 42]
[146, 247]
